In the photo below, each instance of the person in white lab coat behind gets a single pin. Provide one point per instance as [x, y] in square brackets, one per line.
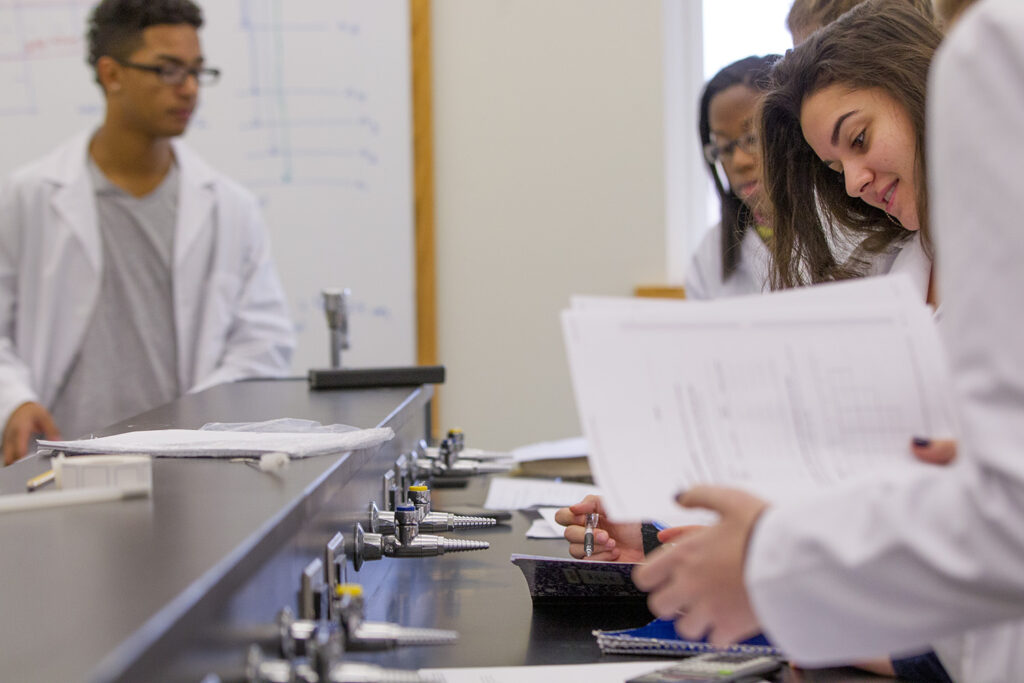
[732, 258]
[899, 562]
[130, 271]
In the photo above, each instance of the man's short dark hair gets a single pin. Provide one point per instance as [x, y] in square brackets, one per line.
[116, 26]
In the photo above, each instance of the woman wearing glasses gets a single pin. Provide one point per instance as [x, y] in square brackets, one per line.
[732, 259]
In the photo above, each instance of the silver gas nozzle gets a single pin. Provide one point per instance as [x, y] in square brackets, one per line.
[373, 546]
[376, 635]
[429, 545]
[426, 469]
[354, 672]
[379, 635]
[446, 521]
[383, 521]
[336, 308]
[466, 467]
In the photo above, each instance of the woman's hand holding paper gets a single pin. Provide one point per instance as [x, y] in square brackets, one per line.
[701, 573]
[934, 451]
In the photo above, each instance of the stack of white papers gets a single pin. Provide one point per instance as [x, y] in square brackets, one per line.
[781, 394]
[192, 443]
[573, 447]
[546, 526]
[507, 493]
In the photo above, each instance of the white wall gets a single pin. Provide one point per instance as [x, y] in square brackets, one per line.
[549, 145]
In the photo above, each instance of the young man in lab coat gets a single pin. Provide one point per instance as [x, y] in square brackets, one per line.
[130, 271]
[896, 563]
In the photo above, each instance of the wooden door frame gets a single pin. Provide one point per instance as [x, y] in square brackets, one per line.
[423, 188]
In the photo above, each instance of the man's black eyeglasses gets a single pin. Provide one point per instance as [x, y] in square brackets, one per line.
[176, 74]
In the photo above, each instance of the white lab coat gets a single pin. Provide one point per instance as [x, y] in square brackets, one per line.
[230, 313]
[909, 258]
[898, 563]
[704, 276]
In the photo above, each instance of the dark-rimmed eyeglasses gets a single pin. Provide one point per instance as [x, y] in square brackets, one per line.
[715, 151]
[176, 74]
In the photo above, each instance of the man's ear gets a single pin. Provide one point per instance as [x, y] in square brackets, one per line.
[109, 73]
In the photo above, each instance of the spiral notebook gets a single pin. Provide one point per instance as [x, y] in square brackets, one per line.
[660, 638]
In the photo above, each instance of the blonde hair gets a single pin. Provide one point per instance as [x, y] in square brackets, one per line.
[949, 11]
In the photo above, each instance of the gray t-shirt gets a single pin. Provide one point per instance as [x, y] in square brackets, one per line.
[128, 361]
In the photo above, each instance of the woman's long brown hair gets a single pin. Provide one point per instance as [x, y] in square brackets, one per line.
[883, 44]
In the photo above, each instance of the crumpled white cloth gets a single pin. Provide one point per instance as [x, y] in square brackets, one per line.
[193, 443]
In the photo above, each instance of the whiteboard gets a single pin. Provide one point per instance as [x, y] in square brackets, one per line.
[313, 113]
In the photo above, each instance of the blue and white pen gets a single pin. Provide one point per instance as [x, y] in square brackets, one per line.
[588, 533]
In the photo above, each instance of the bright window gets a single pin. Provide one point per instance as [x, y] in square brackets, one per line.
[734, 29]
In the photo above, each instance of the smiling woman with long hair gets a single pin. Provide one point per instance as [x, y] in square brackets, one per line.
[843, 146]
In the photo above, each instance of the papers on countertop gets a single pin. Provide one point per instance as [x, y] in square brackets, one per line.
[572, 447]
[471, 454]
[546, 526]
[782, 394]
[196, 443]
[606, 672]
[513, 493]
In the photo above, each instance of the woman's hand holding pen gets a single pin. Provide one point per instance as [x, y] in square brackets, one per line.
[612, 542]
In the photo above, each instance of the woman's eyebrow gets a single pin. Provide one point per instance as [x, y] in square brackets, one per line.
[839, 124]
